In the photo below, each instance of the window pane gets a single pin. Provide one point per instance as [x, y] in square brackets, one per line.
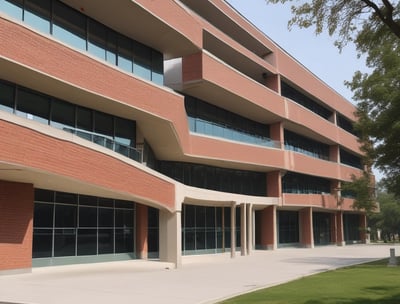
[106, 202]
[142, 61]
[125, 132]
[12, 8]
[33, 106]
[6, 97]
[106, 241]
[87, 242]
[42, 243]
[64, 242]
[87, 217]
[111, 51]
[123, 218]
[106, 217]
[84, 123]
[37, 14]
[69, 26]
[103, 124]
[125, 54]
[87, 200]
[63, 115]
[97, 39]
[43, 215]
[66, 198]
[123, 240]
[44, 195]
[157, 75]
[65, 216]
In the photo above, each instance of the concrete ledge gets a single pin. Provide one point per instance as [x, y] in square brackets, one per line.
[15, 271]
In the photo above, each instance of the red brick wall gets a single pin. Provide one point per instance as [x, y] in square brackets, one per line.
[16, 222]
[306, 233]
[29, 148]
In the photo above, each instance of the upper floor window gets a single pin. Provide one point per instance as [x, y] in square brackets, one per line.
[112, 132]
[305, 101]
[302, 144]
[83, 33]
[345, 124]
[350, 159]
[211, 120]
[305, 184]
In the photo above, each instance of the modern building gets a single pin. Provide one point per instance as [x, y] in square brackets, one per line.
[162, 128]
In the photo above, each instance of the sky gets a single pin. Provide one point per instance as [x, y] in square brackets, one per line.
[316, 52]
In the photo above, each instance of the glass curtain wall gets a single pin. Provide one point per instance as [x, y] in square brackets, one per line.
[83, 33]
[74, 225]
[307, 146]
[112, 132]
[350, 159]
[305, 184]
[288, 227]
[207, 229]
[351, 226]
[153, 233]
[322, 228]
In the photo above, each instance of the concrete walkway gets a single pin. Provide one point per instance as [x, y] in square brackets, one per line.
[202, 279]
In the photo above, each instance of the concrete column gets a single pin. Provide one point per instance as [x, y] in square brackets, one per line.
[170, 237]
[243, 229]
[274, 184]
[249, 228]
[339, 229]
[16, 227]
[276, 133]
[306, 228]
[141, 231]
[233, 230]
[268, 228]
[334, 153]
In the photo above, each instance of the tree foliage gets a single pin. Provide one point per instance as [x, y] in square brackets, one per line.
[374, 27]
[344, 18]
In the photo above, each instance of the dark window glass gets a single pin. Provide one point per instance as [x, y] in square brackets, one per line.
[189, 237]
[84, 119]
[44, 195]
[65, 216]
[345, 124]
[42, 243]
[123, 218]
[106, 241]
[97, 34]
[12, 8]
[104, 129]
[37, 14]
[200, 239]
[123, 240]
[106, 217]
[125, 61]
[64, 242]
[351, 227]
[157, 75]
[305, 184]
[69, 26]
[66, 198]
[305, 101]
[63, 115]
[87, 242]
[124, 204]
[200, 217]
[305, 145]
[106, 202]
[288, 227]
[321, 228]
[43, 215]
[210, 217]
[87, 217]
[350, 159]
[210, 239]
[189, 213]
[142, 60]
[33, 106]
[111, 51]
[87, 200]
[125, 131]
[6, 97]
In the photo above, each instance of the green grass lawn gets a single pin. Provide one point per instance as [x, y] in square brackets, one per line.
[371, 283]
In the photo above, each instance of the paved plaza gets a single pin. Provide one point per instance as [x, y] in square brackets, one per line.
[202, 279]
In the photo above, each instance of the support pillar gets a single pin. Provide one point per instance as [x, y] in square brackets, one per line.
[249, 228]
[170, 237]
[339, 229]
[141, 231]
[233, 230]
[333, 228]
[306, 228]
[243, 229]
[268, 228]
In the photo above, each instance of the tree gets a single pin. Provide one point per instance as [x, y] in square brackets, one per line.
[374, 27]
[345, 18]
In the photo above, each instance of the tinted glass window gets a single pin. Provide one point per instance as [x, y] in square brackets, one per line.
[43, 215]
[6, 97]
[33, 106]
[142, 61]
[63, 115]
[42, 244]
[65, 216]
[64, 242]
[106, 217]
[37, 14]
[124, 60]
[87, 242]
[87, 217]
[97, 34]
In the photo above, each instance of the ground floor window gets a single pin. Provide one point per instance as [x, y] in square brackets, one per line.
[351, 227]
[322, 228]
[153, 233]
[207, 229]
[288, 227]
[67, 224]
